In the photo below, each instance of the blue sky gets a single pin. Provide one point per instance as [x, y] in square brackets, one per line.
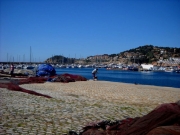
[81, 28]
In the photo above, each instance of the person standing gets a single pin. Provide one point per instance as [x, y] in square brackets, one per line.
[12, 70]
[2, 67]
[94, 72]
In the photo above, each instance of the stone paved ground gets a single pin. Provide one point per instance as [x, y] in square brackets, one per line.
[22, 113]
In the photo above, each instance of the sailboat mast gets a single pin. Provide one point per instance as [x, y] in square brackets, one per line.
[30, 54]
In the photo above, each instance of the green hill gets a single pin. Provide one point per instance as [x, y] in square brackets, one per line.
[150, 53]
[141, 54]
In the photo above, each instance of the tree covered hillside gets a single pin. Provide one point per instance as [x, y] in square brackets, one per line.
[141, 54]
[150, 53]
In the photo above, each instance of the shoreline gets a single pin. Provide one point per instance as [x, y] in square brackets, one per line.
[22, 74]
[136, 84]
[8, 78]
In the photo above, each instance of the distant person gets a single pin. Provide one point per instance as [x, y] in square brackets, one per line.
[94, 72]
[2, 66]
[12, 70]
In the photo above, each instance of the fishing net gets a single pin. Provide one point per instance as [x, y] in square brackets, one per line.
[165, 116]
[14, 83]
[68, 78]
[15, 87]
[32, 80]
[165, 130]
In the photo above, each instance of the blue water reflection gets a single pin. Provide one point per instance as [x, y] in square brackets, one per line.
[147, 78]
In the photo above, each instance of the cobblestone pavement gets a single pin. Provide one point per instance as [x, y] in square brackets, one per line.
[24, 114]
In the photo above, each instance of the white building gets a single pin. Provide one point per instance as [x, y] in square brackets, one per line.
[147, 67]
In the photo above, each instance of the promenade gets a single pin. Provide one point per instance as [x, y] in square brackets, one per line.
[75, 104]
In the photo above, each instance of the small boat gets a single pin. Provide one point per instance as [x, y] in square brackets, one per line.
[28, 67]
[68, 66]
[73, 66]
[169, 69]
[80, 66]
[177, 71]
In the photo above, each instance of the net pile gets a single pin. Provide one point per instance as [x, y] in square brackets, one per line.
[68, 78]
[163, 120]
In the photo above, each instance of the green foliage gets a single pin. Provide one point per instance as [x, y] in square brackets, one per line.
[150, 53]
[87, 60]
[61, 59]
[113, 55]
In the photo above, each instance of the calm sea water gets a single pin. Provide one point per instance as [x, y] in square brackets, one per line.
[166, 79]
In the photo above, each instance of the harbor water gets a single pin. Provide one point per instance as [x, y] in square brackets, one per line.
[165, 79]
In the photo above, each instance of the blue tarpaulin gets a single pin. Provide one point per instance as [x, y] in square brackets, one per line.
[45, 70]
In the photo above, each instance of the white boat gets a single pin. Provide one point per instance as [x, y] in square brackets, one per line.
[88, 66]
[169, 69]
[28, 67]
[80, 66]
[68, 66]
[19, 66]
[74, 66]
